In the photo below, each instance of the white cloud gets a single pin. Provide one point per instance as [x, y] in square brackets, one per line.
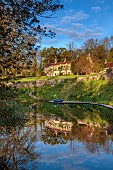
[91, 33]
[75, 32]
[96, 8]
[100, 2]
[74, 16]
[78, 26]
[74, 26]
[80, 32]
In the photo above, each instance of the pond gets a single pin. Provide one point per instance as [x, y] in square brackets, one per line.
[43, 136]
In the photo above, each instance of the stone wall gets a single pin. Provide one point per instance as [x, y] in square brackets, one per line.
[37, 83]
[52, 82]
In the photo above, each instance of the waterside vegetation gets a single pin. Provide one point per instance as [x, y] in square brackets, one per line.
[100, 91]
[73, 88]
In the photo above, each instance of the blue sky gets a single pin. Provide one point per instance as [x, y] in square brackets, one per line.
[79, 21]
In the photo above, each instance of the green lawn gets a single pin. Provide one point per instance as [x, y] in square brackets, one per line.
[28, 79]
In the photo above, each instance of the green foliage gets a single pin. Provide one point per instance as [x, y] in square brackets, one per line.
[11, 114]
[21, 32]
[111, 55]
[52, 54]
[100, 91]
[69, 89]
[8, 92]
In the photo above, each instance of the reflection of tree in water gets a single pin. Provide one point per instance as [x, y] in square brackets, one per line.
[17, 149]
[94, 139]
[91, 113]
[11, 114]
[18, 136]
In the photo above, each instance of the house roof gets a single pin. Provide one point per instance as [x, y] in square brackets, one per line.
[108, 65]
[58, 63]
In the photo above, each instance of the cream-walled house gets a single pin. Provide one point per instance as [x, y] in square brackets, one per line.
[58, 68]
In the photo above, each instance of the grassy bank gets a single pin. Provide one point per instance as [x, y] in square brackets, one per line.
[100, 91]
[71, 88]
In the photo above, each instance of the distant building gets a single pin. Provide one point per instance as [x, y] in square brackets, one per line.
[109, 69]
[58, 68]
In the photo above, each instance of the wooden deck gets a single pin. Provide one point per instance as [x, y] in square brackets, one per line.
[77, 102]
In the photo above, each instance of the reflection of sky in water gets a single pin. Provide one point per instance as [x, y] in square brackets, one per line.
[79, 151]
[73, 155]
[60, 157]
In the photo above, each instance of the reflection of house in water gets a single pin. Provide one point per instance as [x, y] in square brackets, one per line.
[59, 126]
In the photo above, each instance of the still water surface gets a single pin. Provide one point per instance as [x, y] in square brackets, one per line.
[55, 137]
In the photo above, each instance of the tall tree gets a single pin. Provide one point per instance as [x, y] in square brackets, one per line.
[106, 43]
[101, 56]
[52, 54]
[85, 64]
[72, 48]
[20, 30]
[111, 41]
[90, 45]
[111, 55]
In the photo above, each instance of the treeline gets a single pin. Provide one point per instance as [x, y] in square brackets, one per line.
[89, 58]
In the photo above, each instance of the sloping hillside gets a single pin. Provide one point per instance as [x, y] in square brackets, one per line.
[100, 91]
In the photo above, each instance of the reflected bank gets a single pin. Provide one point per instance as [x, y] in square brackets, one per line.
[45, 136]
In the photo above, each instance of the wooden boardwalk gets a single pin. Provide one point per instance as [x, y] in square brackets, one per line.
[77, 102]
[69, 102]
